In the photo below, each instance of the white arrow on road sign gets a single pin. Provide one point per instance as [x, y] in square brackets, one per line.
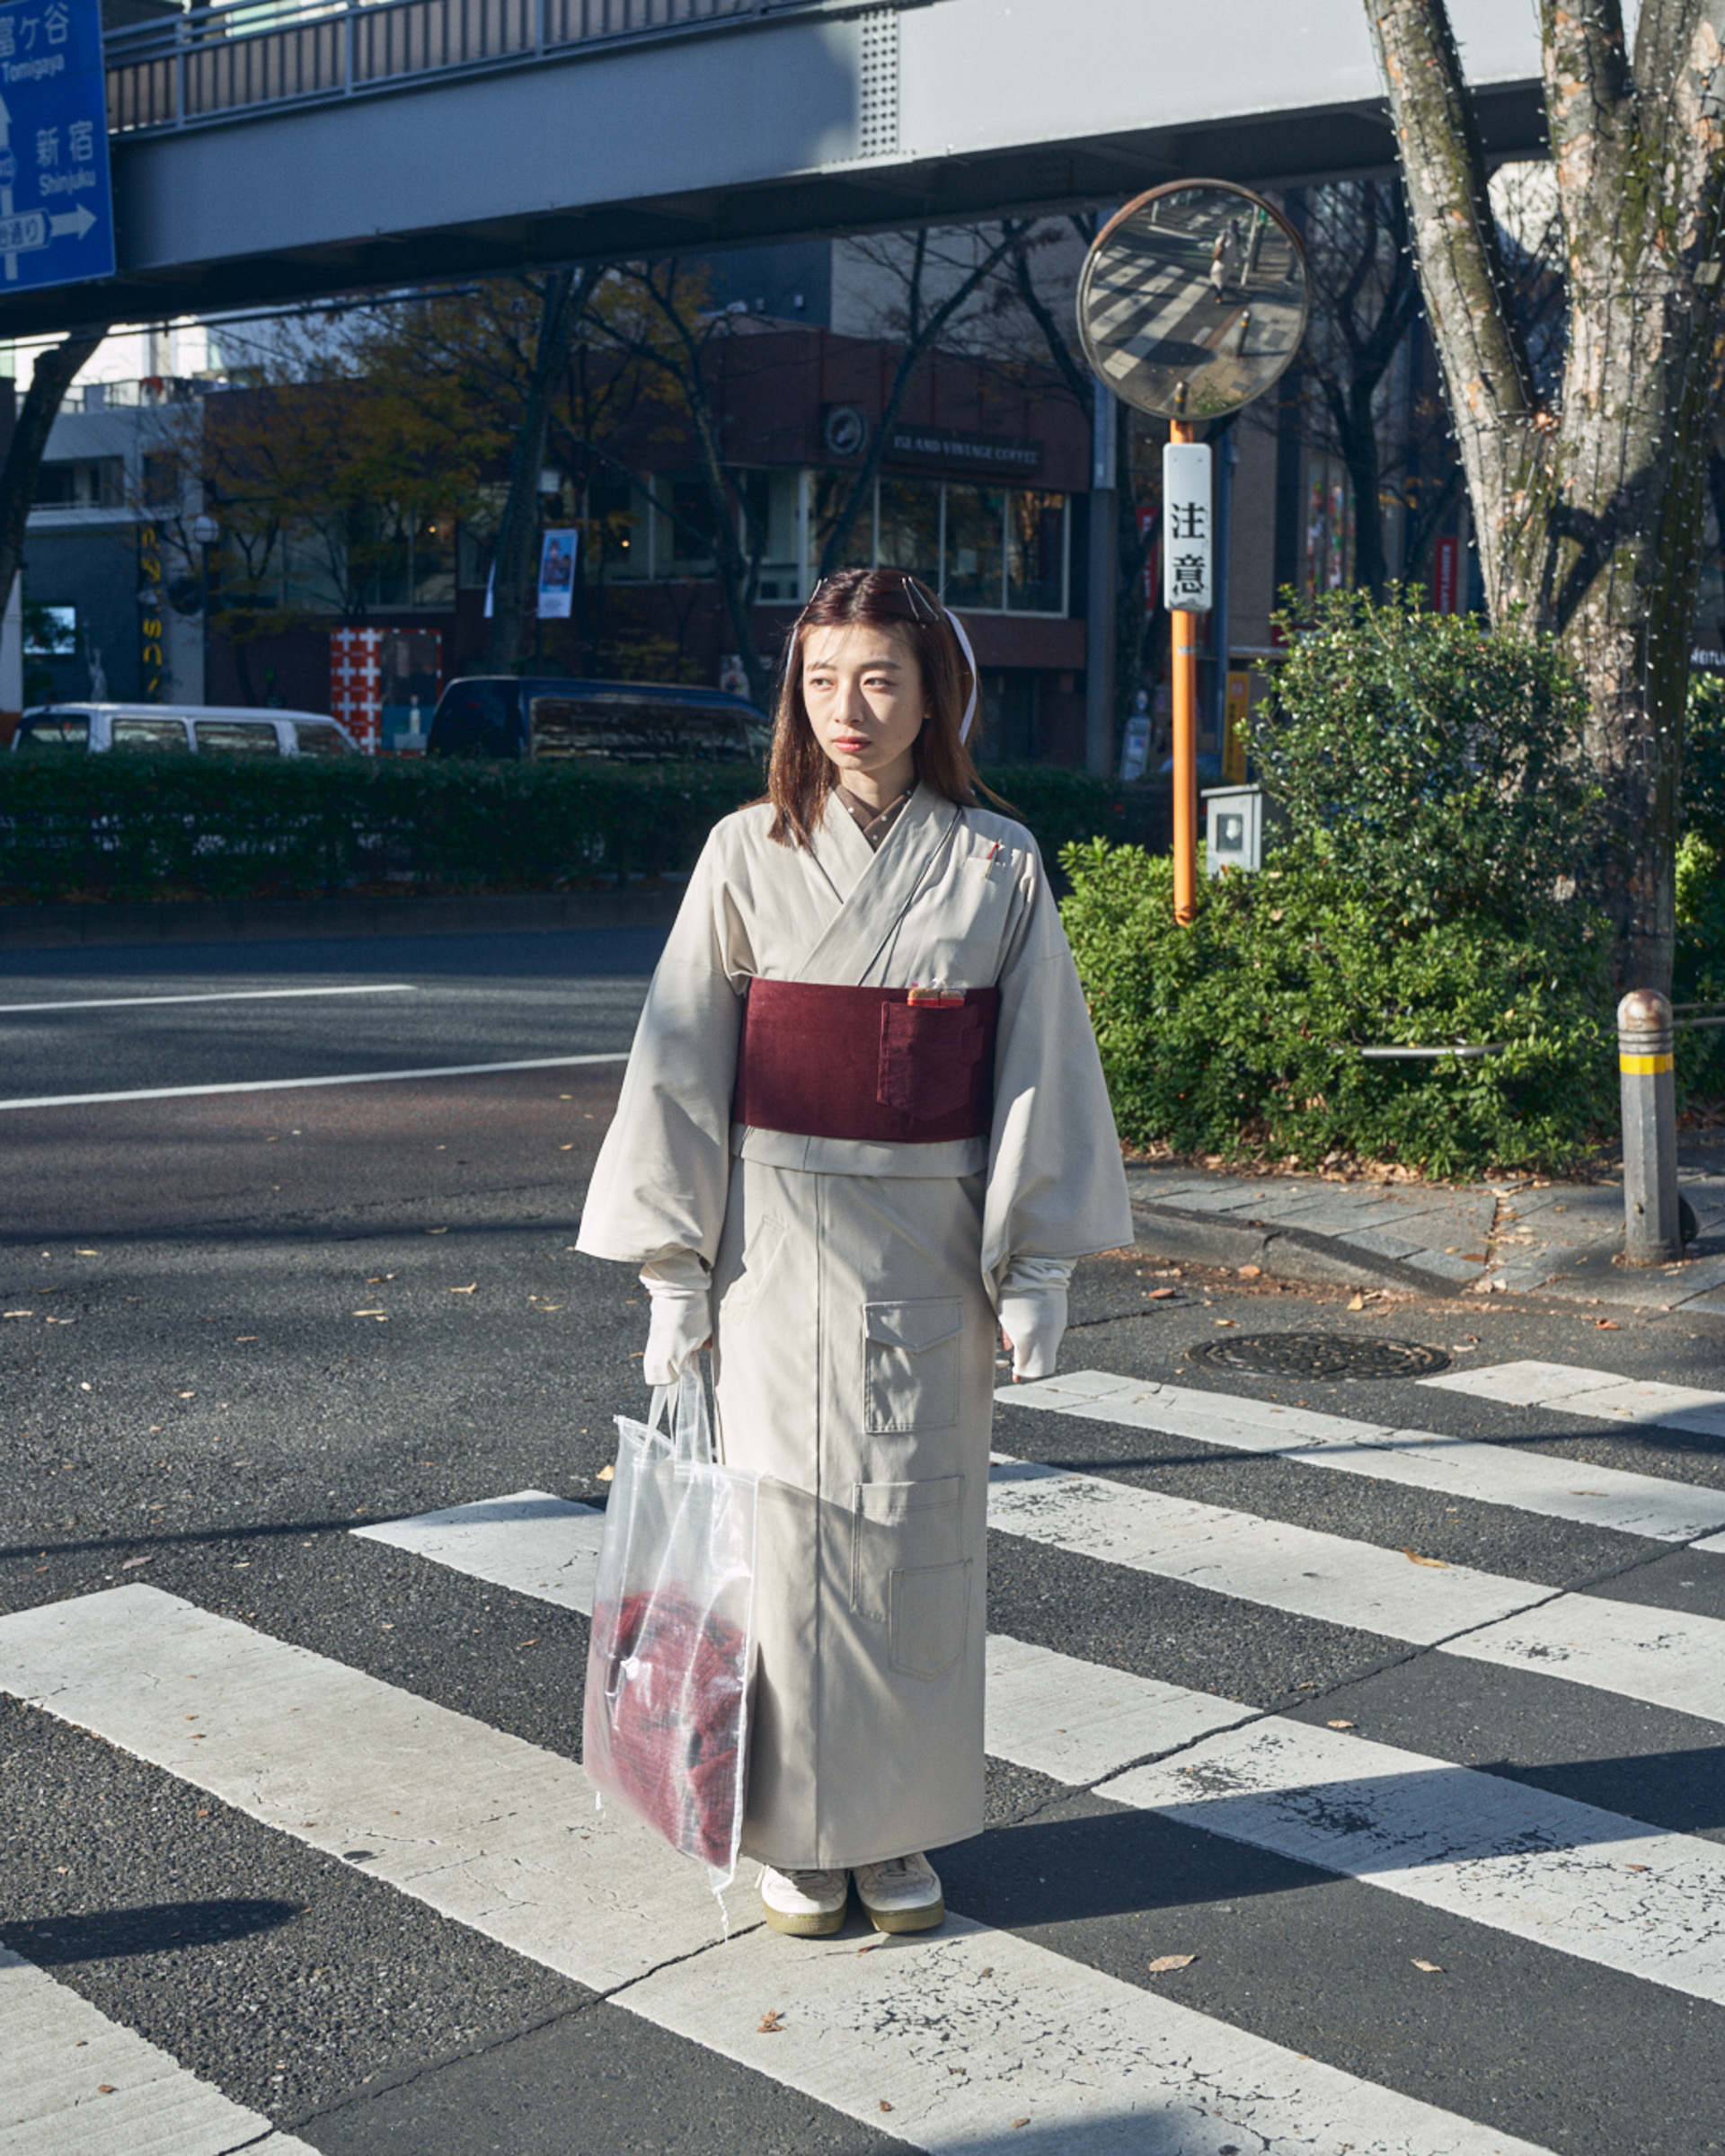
[5, 125]
[22, 232]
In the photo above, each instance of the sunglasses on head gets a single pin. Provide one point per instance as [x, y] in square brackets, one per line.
[895, 591]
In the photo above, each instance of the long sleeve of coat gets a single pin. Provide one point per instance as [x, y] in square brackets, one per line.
[1056, 1188]
[663, 1171]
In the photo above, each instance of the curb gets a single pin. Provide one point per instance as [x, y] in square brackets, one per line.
[1284, 1253]
[282, 920]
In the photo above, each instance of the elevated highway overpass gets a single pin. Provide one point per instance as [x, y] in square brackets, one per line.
[273, 150]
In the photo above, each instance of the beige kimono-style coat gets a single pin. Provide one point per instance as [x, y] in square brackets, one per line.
[853, 1293]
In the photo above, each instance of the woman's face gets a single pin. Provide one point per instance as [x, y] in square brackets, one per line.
[863, 692]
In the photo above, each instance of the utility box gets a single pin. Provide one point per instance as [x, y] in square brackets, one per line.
[1233, 827]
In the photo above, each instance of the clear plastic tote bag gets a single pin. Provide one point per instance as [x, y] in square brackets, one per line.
[668, 1666]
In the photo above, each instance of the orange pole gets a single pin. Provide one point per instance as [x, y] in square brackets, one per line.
[1185, 744]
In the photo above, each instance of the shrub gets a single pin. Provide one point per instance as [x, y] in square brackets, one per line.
[1421, 895]
[132, 825]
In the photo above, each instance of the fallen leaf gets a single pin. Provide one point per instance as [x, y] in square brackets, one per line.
[869, 1947]
[605, 1472]
[885, 2105]
[1474, 1257]
[1222, 1320]
[987, 1972]
[104, 2087]
[1608, 1324]
[1172, 1961]
[1341, 1725]
[1357, 1302]
[1432, 1968]
[468, 1290]
[1017, 2122]
[133, 1562]
[239, 1338]
[569, 1148]
[89, 1253]
[1249, 1272]
[770, 2024]
[369, 1313]
[1157, 1295]
[437, 1231]
[1636, 1868]
[534, 1642]
[20, 1314]
[1414, 1557]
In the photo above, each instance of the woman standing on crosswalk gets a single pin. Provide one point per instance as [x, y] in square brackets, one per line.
[863, 1124]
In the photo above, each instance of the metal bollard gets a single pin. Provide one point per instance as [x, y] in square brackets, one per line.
[1652, 1231]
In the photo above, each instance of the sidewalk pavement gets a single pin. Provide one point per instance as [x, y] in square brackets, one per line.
[1518, 1235]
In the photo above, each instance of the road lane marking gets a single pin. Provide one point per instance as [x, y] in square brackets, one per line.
[503, 1836]
[1493, 1474]
[290, 1085]
[548, 1546]
[1655, 1655]
[223, 996]
[57, 2056]
[1517, 1859]
[1569, 1389]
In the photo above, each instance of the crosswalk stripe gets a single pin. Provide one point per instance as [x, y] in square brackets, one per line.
[75, 2083]
[1571, 1389]
[1648, 1654]
[1493, 1474]
[547, 1547]
[982, 2043]
[1568, 1876]
[1564, 1874]
[1303, 1570]
[500, 1835]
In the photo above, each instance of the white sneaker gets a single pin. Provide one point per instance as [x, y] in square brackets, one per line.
[901, 1894]
[808, 1904]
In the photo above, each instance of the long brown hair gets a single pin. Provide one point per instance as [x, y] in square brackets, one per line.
[799, 775]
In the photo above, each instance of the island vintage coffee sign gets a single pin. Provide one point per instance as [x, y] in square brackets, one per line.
[1008, 454]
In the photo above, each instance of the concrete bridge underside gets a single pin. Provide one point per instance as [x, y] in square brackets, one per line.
[799, 118]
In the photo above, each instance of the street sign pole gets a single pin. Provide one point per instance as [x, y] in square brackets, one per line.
[1188, 571]
[1182, 317]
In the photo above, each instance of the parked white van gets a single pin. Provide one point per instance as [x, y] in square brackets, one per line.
[227, 730]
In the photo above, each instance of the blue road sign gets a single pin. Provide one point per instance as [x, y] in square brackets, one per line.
[56, 212]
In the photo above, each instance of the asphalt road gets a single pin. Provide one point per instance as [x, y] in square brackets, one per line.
[238, 1326]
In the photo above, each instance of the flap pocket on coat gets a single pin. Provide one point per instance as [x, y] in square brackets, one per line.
[929, 1621]
[910, 1364]
[897, 1526]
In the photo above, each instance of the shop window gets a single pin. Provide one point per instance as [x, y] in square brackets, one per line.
[832, 490]
[84, 482]
[434, 562]
[1036, 553]
[974, 516]
[617, 533]
[910, 527]
[692, 524]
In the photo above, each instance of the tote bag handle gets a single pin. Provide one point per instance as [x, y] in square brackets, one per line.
[691, 1430]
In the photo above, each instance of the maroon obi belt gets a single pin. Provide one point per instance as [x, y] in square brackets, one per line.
[866, 1064]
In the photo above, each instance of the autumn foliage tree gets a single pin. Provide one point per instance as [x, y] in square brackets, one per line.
[1588, 507]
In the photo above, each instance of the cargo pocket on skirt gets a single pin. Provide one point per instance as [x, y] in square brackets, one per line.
[928, 1613]
[900, 1527]
[910, 1364]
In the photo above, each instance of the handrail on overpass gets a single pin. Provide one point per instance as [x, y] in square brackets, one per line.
[211, 63]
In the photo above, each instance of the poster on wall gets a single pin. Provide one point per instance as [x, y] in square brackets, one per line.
[557, 575]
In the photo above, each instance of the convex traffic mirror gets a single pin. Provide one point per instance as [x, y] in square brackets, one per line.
[1193, 300]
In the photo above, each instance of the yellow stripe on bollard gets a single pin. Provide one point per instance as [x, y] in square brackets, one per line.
[1643, 1066]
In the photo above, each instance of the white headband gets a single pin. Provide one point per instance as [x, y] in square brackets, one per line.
[970, 661]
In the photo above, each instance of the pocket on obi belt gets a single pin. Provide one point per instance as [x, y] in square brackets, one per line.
[911, 1354]
[931, 1056]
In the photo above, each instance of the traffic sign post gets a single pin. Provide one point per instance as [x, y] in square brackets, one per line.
[56, 214]
[1184, 316]
[1188, 573]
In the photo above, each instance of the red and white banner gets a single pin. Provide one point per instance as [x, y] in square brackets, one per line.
[356, 683]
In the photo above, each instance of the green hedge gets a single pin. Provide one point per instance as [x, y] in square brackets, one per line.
[1420, 891]
[133, 825]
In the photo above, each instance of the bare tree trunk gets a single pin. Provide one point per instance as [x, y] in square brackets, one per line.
[48, 386]
[1588, 517]
[512, 574]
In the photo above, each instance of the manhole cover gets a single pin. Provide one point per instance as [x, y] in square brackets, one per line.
[1318, 1355]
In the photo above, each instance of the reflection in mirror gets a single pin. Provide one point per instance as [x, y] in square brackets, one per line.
[1193, 300]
